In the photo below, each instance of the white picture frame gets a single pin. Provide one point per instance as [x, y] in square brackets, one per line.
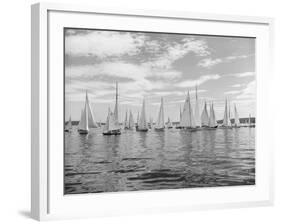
[47, 200]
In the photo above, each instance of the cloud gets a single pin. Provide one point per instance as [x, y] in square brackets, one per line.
[209, 62]
[249, 92]
[177, 50]
[233, 92]
[236, 85]
[201, 80]
[103, 44]
[244, 74]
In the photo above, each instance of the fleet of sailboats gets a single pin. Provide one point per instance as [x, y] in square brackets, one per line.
[188, 119]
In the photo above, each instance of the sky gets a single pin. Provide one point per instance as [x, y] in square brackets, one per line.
[154, 65]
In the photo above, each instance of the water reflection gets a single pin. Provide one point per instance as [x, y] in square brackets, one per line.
[158, 160]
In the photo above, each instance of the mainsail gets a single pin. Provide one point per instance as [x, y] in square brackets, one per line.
[126, 121]
[142, 121]
[150, 123]
[91, 121]
[116, 115]
[131, 123]
[69, 124]
[197, 112]
[226, 120]
[205, 117]
[107, 121]
[187, 117]
[212, 118]
[236, 117]
[83, 124]
[160, 124]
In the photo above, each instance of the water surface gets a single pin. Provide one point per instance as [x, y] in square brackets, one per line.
[158, 160]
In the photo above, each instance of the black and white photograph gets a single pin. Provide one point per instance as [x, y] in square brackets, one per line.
[154, 111]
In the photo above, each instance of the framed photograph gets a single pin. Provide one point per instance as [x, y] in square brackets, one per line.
[148, 111]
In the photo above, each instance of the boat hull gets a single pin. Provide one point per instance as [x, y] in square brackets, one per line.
[142, 130]
[113, 132]
[159, 129]
[83, 132]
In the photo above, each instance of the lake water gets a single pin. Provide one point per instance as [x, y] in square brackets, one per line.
[158, 160]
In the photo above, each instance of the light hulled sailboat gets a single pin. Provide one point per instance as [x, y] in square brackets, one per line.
[226, 123]
[87, 118]
[160, 124]
[131, 124]
[236, 118]
[112, 126]
[150, 123]
[126, 121]
[68, 126]
[197, 112]
[205, 117]
[212, 119]
[142, 124]
[187, 118]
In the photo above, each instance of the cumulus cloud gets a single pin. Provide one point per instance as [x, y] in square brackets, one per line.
[209, 62]
[199, 81]
[103, 44]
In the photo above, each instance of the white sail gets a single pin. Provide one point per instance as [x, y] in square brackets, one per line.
[205, 117]
[187, 118]
[116, 113]
[91, 121]
[236, 117]
[160, 120]
[226, 119]
[212, 118]
[151, 122]
[69, 124]
[126, 121]
[107, 121]
[131, 123]
[197, 112]
[142, 121]
[138, 119]
[83, 124]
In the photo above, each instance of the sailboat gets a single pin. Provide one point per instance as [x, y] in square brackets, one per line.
[160, 125]
[68, 126]
[205, 117]
[142, 124]
[150, 123]
[87, 118]
[226, 120]
[138, 120]
[236, 118]
[250, 122]
[187, 118]
[126, 121]
[112, 126]
[197, 112]
[131, 123]
[212, 119]
[178, 126]
[169, 124]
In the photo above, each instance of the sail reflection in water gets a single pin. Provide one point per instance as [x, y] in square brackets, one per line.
[152, 160]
